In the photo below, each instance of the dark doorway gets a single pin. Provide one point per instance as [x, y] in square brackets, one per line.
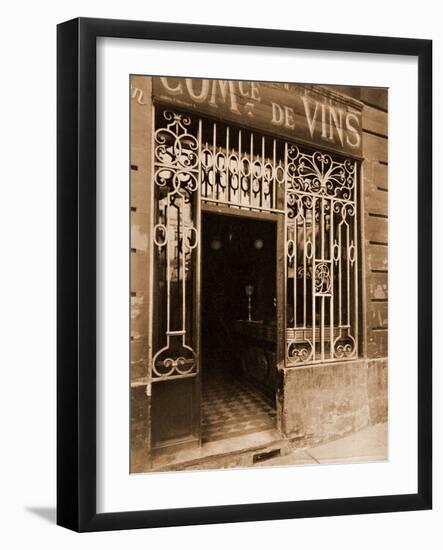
[238, 331]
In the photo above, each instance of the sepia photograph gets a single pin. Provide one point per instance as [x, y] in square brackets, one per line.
[259, 274]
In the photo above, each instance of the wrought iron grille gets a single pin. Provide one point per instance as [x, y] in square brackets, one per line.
[321, 246]
[197, 160]
[240, 169]
[177, 171]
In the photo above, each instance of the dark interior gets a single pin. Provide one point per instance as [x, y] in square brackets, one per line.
[238, 344]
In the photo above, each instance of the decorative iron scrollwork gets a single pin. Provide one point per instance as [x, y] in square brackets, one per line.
[321, 256]
[322, 278]
[318, 173]
[238, 172]
[177, 179]
[175, 359]
[299, 352]
[344, 345]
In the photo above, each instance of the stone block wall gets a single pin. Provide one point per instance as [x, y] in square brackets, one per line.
[326, 402]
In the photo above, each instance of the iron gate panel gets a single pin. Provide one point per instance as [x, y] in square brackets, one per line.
[176, 242]
[322, 273]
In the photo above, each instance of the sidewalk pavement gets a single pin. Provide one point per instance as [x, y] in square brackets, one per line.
[367, 445]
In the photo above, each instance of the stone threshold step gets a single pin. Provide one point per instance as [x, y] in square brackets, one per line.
[241, 451]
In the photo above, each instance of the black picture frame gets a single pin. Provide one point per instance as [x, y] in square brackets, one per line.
[76, 279]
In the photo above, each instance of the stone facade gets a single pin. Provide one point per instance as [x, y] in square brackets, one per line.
[325, 402]
[315, 403]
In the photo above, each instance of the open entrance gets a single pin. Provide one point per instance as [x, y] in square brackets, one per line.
[238, 320]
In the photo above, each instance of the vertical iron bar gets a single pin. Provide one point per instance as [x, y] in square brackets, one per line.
[285, 206]
[228, 175]
[321, 227]
[322, 327]
[340, 305]
[356, 257]
[331, 300]
[214, 159]
[313, 256]
[251, 185]
[304, 267]
[285, 181]
[152, 190]
[168, 270]
[240, 169]
[198, 252]
[262, 171]
[295, 251]
[183, 258]
[348, 275]
[274, 178]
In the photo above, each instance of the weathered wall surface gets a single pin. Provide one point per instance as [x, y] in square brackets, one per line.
[141, 114]
[325, 402]
[378, 390]
[374, 186]
[141, 123]
[140, 429]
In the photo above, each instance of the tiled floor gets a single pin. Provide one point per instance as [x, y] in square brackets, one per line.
[231, 408]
